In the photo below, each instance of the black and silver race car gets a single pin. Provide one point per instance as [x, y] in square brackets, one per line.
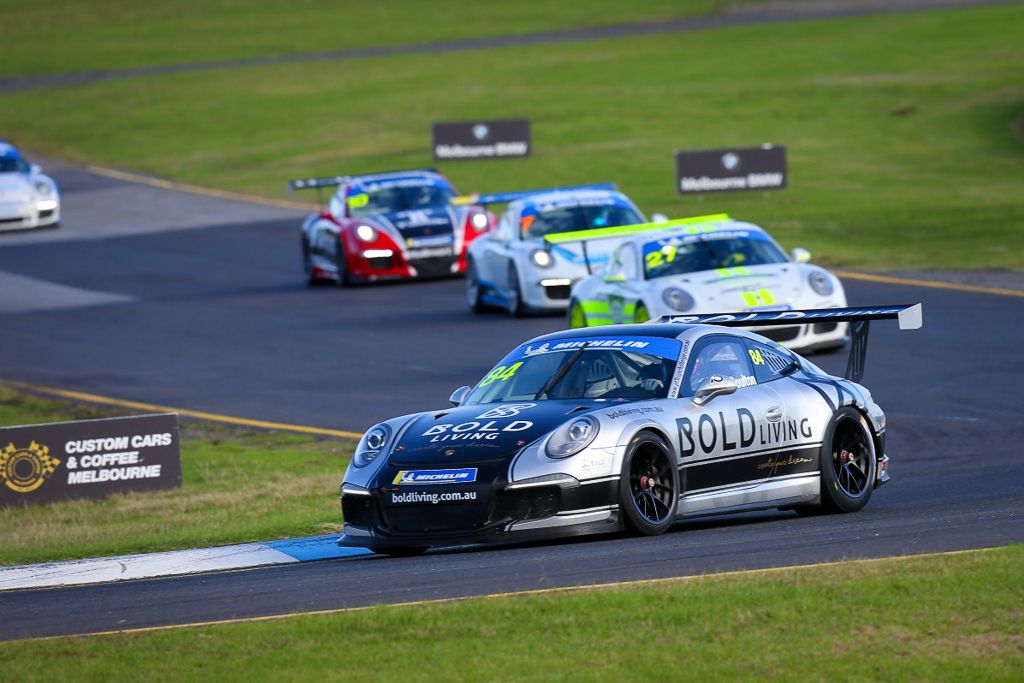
[626, 427]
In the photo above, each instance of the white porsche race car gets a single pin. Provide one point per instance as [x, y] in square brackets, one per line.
[720, 265]
[28, 198]
[518, 268]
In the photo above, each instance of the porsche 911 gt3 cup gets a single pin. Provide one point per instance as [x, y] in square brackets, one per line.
[387, 226]
[28, 198]
[625, 427]
[711, 265]
[513, 267]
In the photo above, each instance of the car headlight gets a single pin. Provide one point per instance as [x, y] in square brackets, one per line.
[820, 283]
[541, 258]
[44, 189]
[572, 437]
[677, 299]
[479, 221]
[371, 445]
[366, 233]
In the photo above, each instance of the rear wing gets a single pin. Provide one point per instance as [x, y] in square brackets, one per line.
[909, 316]
[584, 236]
[333, 181]
[506, 197]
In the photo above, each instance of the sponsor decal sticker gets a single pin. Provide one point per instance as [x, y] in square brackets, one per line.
[507, 410]
[414, 497]
[25, 469]
[464, 475]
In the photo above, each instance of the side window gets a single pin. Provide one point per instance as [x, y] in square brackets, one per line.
[718, 356]
[503, 232]
[768, 363]
[627, 256]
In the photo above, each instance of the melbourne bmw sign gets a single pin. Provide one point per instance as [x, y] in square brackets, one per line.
[731, 170]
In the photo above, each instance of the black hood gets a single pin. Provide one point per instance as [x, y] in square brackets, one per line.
[421, 222]
[482, 433]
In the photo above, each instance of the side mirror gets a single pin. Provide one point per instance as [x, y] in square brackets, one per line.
[715, 386]
[614, 277]
[35, 168]
[659, 218]
[800, 255]
[458, 396]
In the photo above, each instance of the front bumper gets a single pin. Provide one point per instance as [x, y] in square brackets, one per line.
[27, 215]
[404, 516]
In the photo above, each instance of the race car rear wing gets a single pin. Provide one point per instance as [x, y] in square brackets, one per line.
[319, 184]
[909, 316]
[506, 197]
[584, 236]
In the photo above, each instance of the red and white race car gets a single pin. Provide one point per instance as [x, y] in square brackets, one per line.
[386, 226]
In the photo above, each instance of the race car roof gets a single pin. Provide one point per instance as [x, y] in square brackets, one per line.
[426, 177]
[8, 150]
[573, 197]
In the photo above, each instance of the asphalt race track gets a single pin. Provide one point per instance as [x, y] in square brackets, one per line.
[198, 302]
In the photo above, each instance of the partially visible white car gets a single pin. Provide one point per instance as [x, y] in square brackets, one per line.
[28, 198]
[519, 267]
[719, 266]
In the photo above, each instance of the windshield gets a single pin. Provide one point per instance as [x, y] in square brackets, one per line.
[691, 254]
[569, 218]
[623, 368]
[397, 197]
[13, 164]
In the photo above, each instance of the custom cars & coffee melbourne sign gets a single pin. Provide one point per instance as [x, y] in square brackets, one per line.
[88, 458]
[731, 170]
[481, 139]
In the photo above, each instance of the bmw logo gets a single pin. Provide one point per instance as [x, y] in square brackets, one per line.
[731, 161]
[481, 131]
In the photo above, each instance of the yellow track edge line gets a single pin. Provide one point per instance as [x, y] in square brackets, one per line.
[198, 414]
[512, 594]
[911, 282]
[196, 189]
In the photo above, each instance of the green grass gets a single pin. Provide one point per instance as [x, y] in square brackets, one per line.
[65, 36]
[902, 147]
[954, 617]
[237, 485]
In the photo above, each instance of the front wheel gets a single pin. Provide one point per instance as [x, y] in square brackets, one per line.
[474, 292]
[649, 486]
[848, 462]
[514, 303]
[577, 316]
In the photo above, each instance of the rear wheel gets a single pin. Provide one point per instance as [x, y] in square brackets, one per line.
[848, 462]
[577, 317]
[649, 486]
[641, 315]
[474, 292]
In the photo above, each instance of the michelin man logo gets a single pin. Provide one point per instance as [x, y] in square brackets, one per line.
[509, 410]
[25, 469]
[543, 348]
[481, 131]
[730, 161]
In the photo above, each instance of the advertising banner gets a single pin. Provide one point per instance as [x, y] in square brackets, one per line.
[509, 138]
[88, 458]
[731, 170]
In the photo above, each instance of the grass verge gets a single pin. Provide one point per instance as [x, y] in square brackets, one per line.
[946, 617]
[237, 485]
[65, 36]
[900, 129]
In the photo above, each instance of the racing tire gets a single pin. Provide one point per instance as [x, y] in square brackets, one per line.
[641, 314]
[474, 292]
[341, 263]
[649, 486]
[577, 317]
[847, 462]
[307, 265]
[514, 302]
[407, 551]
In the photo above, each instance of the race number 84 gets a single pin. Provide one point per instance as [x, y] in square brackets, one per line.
[500, 374]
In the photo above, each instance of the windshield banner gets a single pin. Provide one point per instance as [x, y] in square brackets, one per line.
[663, 347]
